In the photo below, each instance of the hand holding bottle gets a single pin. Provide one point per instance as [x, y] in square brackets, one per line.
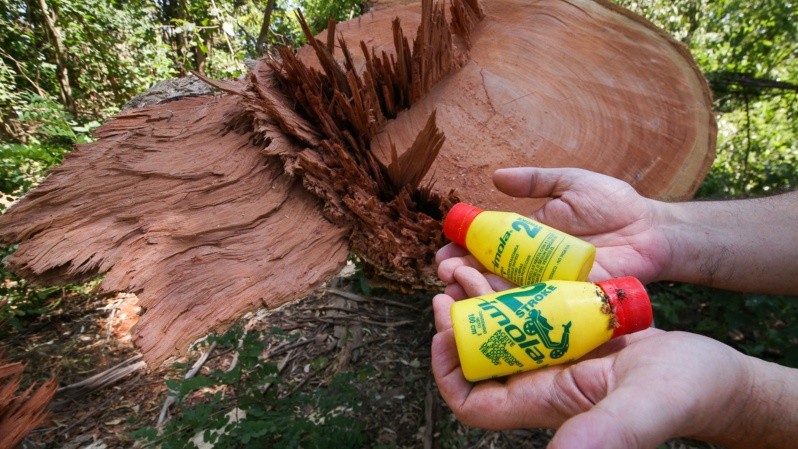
[742, 245]
[641, 389]
[634, 391]
[604, 211]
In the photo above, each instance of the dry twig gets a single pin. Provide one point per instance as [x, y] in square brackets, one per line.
[97, 381]
[172, 398]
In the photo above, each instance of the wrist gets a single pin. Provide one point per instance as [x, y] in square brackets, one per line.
[668, 219]
[728, 404]
[696, 251]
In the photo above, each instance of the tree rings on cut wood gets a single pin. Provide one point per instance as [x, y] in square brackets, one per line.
[556, 83]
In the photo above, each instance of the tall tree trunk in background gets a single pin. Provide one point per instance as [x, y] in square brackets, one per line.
[60, 58]
[173, 11]
[264, 28]
[200, 56]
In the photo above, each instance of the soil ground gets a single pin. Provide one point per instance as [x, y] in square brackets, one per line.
[387, 333]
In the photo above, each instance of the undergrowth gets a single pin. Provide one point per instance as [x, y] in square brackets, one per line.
[764, 326]
[250, 405]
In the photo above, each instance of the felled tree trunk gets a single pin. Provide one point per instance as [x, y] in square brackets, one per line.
[208, 207]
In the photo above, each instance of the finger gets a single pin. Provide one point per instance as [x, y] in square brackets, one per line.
[612, 423]
[484, 404]
[498, 283]
[449, 251]
[473, 282]
[447, 267]
[533, 182]
[455, 291]
[446, 370]
[520, 401]
[618, 343]
[441, 308]
[598, 272]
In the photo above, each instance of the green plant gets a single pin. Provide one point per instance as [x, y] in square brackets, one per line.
[318, 11]
[234, 408]
[759, 325]
[49, 133]
[21, 301]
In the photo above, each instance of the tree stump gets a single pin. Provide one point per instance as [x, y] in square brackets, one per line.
[211, 206]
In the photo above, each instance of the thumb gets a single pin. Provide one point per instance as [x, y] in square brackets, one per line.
[627, 418]
[534, 182]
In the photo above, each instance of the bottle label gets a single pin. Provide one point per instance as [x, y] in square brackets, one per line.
[523, 267]
[533, 335]
[529, 327]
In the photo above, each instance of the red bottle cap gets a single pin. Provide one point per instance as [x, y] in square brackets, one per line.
[457, 221]
[630, 304]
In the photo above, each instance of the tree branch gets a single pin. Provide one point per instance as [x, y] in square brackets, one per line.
[748, 82]
[21, 69]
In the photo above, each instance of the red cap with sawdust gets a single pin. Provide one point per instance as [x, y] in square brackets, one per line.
[457, 221]
[630, 304]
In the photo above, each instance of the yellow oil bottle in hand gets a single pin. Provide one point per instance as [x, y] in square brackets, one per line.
[517, 248]
[544, 324]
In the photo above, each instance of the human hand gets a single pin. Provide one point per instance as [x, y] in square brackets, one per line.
[635, 391]
[600, 209]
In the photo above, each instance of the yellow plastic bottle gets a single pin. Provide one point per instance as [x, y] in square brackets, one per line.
[544, 324]
[517, 248]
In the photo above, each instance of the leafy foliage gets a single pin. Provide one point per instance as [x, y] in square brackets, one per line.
[749, 53]
[318, 11]
[758, 325]
[49, 133]
[235, 409]
[113, 51]
[116, 49]
[19, 301]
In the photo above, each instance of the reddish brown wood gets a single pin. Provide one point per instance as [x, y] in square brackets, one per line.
[21, 411]
[558, 83]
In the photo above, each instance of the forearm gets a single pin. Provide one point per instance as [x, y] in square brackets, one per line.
[744, 245]
[766, 414]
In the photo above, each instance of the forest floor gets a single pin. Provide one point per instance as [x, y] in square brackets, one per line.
[333, 331]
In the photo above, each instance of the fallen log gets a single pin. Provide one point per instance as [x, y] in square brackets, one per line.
[211, 206]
